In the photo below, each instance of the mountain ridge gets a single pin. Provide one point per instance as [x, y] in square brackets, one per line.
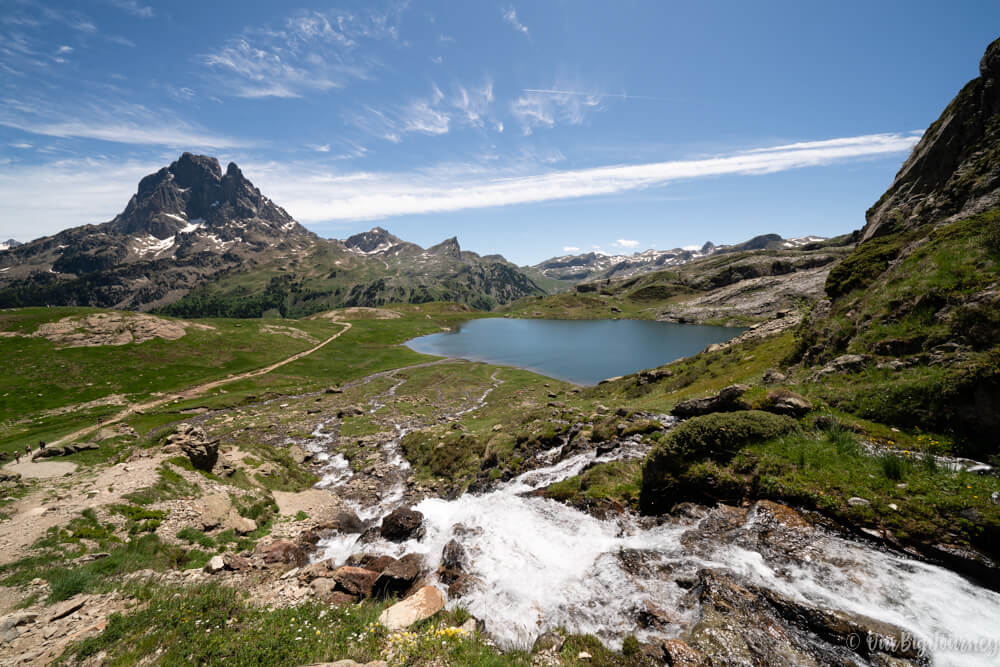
[189, 225]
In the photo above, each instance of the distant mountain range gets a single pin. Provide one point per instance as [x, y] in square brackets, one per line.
[199, 241]
[9, 243]
[196, 241]
[572, 269]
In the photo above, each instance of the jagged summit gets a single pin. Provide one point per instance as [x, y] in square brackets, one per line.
[9, 243]
[955, 168]
[448, 248]
[186, 221]
[372, 241]
[193, 192]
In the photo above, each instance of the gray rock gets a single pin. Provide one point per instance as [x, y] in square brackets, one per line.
[772, 376]
[858, 502]
[727, 400]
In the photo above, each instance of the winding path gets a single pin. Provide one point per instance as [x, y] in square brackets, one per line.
[198, 390]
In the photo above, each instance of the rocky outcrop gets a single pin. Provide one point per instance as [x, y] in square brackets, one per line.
[194, 444]
[955, 168]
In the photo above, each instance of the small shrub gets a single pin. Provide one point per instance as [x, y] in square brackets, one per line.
[630, 646]
[893, 466]
[715, 437]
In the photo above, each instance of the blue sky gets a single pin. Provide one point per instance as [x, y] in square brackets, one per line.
[522, 128]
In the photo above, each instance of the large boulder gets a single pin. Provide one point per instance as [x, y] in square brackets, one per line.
[727, 400]
[423, 604]
[402, 524]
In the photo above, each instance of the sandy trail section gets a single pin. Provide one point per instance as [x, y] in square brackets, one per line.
[199, 389]
[42, 469]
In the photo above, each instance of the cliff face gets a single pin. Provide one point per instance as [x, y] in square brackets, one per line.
[954, 170]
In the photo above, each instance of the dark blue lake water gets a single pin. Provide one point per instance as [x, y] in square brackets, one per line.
[579, 351]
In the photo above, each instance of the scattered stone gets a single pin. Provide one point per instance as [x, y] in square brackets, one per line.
[402, 524]
[653, 375]
[215, 564]
[858, 502]
[772, 376]
[453, 556]
[678, 653]
[785, 402]
[399, 577]
[333, 390]
[423, 604]
[995, 497]
[373, 562]
[240, 524]
[345, 521]
[215, 509]
[282, 551]
[355, 580]
[583, 656]
[548, 641]
[299, 455]
[67, 607]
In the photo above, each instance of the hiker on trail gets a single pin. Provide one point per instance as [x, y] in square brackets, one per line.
[17, 456]
[27, 451]
[41, 445]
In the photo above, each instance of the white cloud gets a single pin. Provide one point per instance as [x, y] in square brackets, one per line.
[314, 194]
[543, 108]
[119, 123]
[570, 248]
[64, 49]
[432, 115]
[499, 127]
[626, 243]
[134, 8]
[325, 148]
[43, 199]
[313, 51]
[510, 16]
[22, 145]
[437, 60]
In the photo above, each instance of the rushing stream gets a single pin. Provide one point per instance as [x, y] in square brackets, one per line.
[541, 564]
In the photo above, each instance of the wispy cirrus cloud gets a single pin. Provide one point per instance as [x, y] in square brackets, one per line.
[626, 243]
[536, 108]
[318, 195]
[121, 123]
[314, 51]
[91, 190]
[434, 114]
[510, 17]
[134, 8]
[570, 248]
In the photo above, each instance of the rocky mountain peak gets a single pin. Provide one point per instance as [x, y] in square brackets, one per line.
[447, 248]
[194, 192]
[955, 168]
[374, 240]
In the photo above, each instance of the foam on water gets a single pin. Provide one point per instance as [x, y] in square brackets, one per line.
[540, 564]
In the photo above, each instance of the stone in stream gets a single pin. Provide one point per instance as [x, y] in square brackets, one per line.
[423, 604]
[402, 524]
[373, 562]
[344, 521]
